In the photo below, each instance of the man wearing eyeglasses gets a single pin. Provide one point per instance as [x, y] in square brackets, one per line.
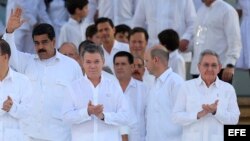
[205, 104]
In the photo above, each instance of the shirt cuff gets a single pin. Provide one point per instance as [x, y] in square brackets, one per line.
[84, 115]
[13, 109]
[2, 112]
[124, 130]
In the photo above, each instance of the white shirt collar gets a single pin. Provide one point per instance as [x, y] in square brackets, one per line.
[172, 54]
[163, 77]
[201, 82]
[9, 75]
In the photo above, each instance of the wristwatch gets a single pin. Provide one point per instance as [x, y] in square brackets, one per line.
[102, 117]
[230, 66]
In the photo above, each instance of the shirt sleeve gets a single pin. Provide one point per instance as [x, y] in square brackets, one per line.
[93, 4]
[228, 113]
[124, 115]
[18, 60]
[180, 114]
[20, 108]
[71, 113]
[139, 18]
[232, 33]
[190, 16]
[42, 13]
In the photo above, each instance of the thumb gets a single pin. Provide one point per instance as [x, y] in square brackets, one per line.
[216, 101]
[23, 21]
[90, 103]
[9, 98]
[11, 12]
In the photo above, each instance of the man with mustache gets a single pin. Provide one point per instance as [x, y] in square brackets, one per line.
[139, 68]
[138, 41]
[49, 72]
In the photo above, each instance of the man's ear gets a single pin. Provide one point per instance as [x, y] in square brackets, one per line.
[156, 59]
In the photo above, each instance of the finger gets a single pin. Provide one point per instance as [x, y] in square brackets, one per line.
[11, 12]
[18, 12]
[216, 102]
[9, 98]
[90, 103]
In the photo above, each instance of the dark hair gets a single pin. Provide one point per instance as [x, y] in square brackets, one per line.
[169, 38]
[122, 28]
[124, 54]
[91, 31]
[4, 48]
[92, 48]
[44, 28]
[83, 44]
[72, 5]
[104, 20]
[138, 30]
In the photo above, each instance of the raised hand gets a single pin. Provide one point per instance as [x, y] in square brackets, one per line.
[14, 20]
[7, 104]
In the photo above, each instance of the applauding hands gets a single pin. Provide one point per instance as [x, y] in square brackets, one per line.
[96, 110]
[208, 108]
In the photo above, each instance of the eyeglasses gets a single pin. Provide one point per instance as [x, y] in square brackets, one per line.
[207, 65]
[138, 66]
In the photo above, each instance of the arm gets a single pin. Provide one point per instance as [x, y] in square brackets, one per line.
[139, 16]
[229, 114]
[233, 37]
[18, 60]
[63, 35]
[20, 108]
[93, 4]
[71, 113]
[124, 116]
[42, 13]
[180, 113]
[190, 16]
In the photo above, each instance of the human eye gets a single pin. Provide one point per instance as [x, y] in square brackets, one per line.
[97, 62]
[214, 66]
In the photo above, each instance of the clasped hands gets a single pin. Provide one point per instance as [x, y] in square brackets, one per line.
[96, 110]
[208, 108]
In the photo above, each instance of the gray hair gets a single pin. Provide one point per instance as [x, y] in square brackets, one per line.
[70, 44]
[209, 52]
[162, 54]
[92, 48]
[138, 57]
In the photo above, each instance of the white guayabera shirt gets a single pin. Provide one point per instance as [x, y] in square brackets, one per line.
[49, 79]
[18, 87]
[88, 127]
[191, 96]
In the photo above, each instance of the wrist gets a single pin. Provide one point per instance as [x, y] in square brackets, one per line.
[102, 117]
[9, 30]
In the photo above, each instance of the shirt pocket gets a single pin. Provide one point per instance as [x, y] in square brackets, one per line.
[191, 136]
[56, 98]
[11, 134]
[215, 137]
[193, 104]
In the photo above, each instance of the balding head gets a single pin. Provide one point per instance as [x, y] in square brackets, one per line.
[70, 50]
[156, 59]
